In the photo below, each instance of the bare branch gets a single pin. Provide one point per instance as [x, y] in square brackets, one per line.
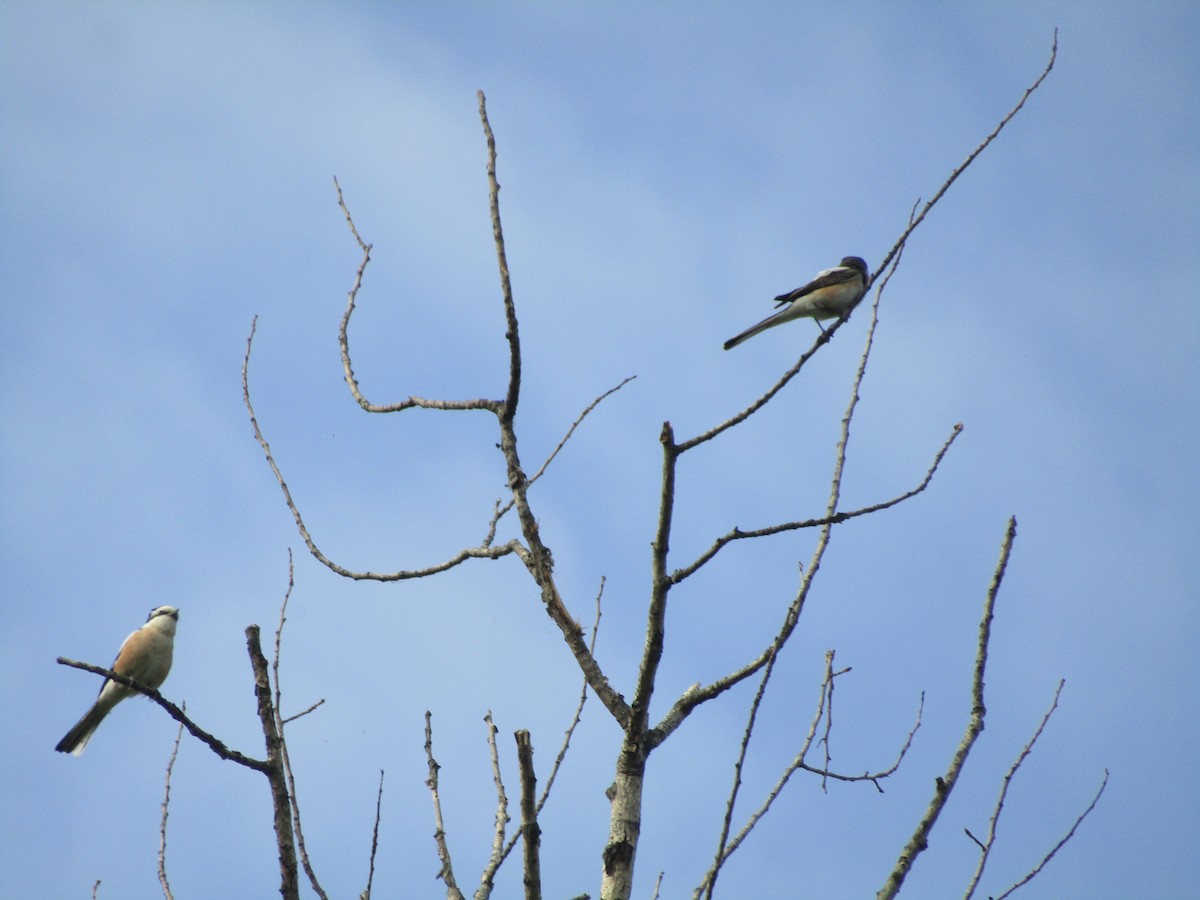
[285, 758]
[570, 431]
[724, 850]
[366, 895]
[823, 338]
[439, 836]
[166, 802]
[737, 534]
[512, 332]
[344, 343]
[660, 587]
[281, 799]
[944, 785]
[728, 846]
[566, 744]
[990, 841]
[986, 845]
[501, 819]
[481, 552]
[502, 511]
[530, 832]
[1070, 834]
[535, 554]
[914, 222]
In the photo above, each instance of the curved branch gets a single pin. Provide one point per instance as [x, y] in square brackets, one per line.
[344, 343]
[483, 551]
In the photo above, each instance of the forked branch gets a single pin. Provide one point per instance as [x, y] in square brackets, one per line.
[944, 785]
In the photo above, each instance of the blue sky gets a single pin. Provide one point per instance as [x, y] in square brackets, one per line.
[166, 176]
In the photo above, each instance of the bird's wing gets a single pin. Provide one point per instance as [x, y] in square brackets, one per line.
[117, 659]
[828, 278]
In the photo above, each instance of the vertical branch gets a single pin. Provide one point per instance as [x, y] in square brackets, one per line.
[374, 839]
[511, 333]
[439, 835]
[162, 828]
[280, 723]
[625, 794]
[661, 586]
[536, 555]
[501, 819]
[289, 886]
[530, 831]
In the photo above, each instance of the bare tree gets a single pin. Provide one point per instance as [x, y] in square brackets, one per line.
[641, 735]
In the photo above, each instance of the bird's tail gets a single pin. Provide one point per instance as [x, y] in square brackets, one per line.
[768, 322]
[77, 738]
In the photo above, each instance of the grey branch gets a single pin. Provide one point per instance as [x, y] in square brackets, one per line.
[944, 785]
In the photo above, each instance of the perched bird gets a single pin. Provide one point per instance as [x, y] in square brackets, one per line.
[832, 293]
[145, 657]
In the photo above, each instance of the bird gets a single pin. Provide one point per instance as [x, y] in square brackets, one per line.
[145, 656]
[832, 293]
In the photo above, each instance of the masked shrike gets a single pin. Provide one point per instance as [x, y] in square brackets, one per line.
[145, 657]
[832, 293]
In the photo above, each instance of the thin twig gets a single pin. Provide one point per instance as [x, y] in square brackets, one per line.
[439, 835]
[575, 719]
[944, 785]
[737, 534]
[304, 712]
[1029, 876]
[914, 222]
[283, 747]
[366, 895]
[709, 882]
[166, 802]
[488, 878]
[822, 339]
[566, 744]
[501, 511]
[729, 845]
[990, 841]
